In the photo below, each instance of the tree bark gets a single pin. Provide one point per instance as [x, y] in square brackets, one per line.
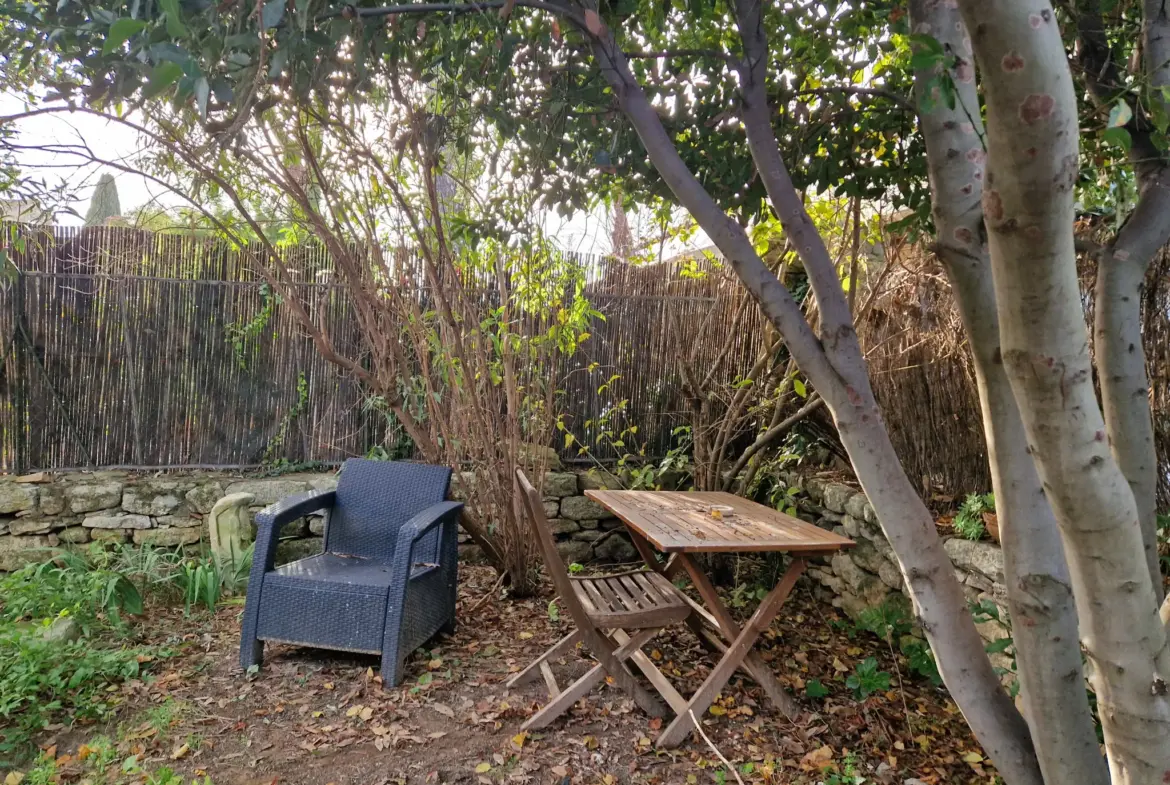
[837, 370]
[1039, 593]
[1028, 208]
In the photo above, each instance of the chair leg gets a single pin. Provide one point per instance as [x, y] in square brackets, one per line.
[251, 653]
[556, 650]
[448, 627]
[613, 658]
[392, 667]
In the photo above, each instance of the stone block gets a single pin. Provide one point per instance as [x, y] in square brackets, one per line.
[317, 526]
[992, 630]
[74, 535]
[836, 496]
[109, 535]
[560, 484]
[852, 525]
[35, 525]
[871, 515]
[575, 551]
[91, 497]
[560, 526]
[268, 491]
[15, 497]
[592, 524]
[845, 569]
[536, 456]
[52, 499]
[187, 521]
[615, 548]
[166, 538]
[855, 506]
[292, 550]
[609, 524]
[600, 480]
[470, 553]
[814, 487]
[154, 497]
[589, 535]
[551, 508]
[867, 557]
[323, 482]
[890, 575]
[981, 557]
[462, 485]
[579, 508]
[204, 496]
[111, 519]
[15, 552]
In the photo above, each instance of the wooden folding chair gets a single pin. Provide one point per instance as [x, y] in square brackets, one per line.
[604, 609]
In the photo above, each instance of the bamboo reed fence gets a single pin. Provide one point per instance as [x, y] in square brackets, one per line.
[125, 348]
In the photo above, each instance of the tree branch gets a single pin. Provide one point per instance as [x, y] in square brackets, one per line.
[870, 92]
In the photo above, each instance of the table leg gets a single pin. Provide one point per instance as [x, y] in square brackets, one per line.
[737, 653]
[752, 662]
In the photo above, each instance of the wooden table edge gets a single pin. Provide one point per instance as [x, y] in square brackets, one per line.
[811, 550]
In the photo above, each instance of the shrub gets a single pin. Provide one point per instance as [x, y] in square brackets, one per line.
[969, 520]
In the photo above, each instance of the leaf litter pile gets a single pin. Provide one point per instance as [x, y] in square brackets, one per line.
[317, 717]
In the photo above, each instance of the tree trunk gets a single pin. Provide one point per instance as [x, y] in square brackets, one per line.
[837, 370]
[1028, 208]
[1040, 601]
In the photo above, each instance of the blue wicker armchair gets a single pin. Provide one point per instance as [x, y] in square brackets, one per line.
[386, 580]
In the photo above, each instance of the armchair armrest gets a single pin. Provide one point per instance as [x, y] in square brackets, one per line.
[421, 524]
[290, 508]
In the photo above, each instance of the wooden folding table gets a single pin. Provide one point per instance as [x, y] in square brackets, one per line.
[682, 523]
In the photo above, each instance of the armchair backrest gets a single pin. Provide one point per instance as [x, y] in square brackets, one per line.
[374, 499]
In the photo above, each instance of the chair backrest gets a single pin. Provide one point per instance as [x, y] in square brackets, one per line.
[553, 563]
[374, 499]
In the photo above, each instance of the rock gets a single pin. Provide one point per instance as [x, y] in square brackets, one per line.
[871, 515]
[615, 548]
[589, 523]
[469, 553]
[38, 477]
[600, 480]
[982, 557]
[116, 520]
[15, 552]
[203, 497]
[52, 500]
[871, 593]
[976, 580]
[836, 496]
[609, 524]
[268, 491]
[814, 487]
[855, 506]
[589, 535]
[890, 575]
[4, 524]
[292, 550]
[579, 508]
[562, 526]
[34, 525]
[187, 521]
[992, 630]
[317, 525]
[297, 528]
[847, 571]
[64, 629]
[74, 535]
[109, 535]
[166, 538]
[867, 557]
[229, 527]
[551, 508]
[535, 456]
[323, 482]
[851, 524]
[560, 484]
[575, 551]
[15, 497]
[94, 496]
[156, 497]
[827, 579]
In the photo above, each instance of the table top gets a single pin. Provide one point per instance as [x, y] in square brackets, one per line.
[683, 521]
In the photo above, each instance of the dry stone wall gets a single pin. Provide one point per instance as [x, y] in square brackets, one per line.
[868, 576]
[45, 513]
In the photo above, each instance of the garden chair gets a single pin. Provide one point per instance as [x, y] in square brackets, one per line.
[615, 616]
[385, 582]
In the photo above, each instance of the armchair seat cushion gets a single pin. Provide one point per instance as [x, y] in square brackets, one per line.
[334, 568]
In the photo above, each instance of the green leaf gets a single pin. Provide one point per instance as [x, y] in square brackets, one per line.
[997, 646]
[1120, 114]
[815, 689]
[927, 42]
[202, 92]
[164, 75]
[799, 387]
[175, 26]
[1117, 137]
[273, 13]
[120, 33]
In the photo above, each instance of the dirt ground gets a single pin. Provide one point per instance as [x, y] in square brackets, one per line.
[311, 717]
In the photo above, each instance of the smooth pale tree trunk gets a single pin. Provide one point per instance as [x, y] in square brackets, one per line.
[1032, 167]
[834, 364]
[1039, 594]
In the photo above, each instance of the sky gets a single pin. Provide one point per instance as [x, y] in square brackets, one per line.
[582, 232]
